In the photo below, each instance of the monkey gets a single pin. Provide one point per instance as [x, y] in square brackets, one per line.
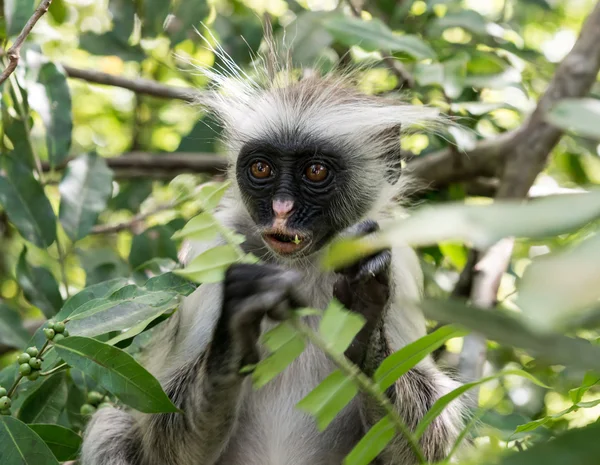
[310, 160]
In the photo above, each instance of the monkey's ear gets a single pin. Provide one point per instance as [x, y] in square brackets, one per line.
[393, 154]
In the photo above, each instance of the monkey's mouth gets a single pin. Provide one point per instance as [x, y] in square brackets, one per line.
[285, 243]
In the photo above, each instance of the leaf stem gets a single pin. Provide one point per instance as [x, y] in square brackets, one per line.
[364, 383]
[54, 370]
[62, 256]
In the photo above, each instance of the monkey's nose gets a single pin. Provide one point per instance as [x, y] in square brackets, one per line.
[283, 207]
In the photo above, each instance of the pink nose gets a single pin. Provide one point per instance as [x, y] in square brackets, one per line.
[282, 208]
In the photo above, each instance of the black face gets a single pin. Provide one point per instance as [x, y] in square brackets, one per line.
[297, 193]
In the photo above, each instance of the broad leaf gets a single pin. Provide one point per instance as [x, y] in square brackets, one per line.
[329, 398]
[154, 13]
[372, 443]
[39, 286]
[49, 96]
[480, 225]
[186, 17]
[21, 445]
[581, 116]
[210, 266]
[45, 403]
[17, 13]
[117, 372]
[339, 326]
[285, 345]
[374, 35]
[589, 380]
[97, 291]
[84, 191]
[398, 363]
[152, 243]
[63, 442]
[12, 332]
[200, 228]
[210, 194]
[25, 203]
[16, 129]
[170, 282]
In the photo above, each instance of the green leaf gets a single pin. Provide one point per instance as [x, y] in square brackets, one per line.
[512, 331]
[577, 446]
[21, 445]
[39, 286]
[12, 332]
[210, 266]
[154, 13]
[438, 407]
[200, 228]
[110, 44]
[170, 282]
[338, 327]
[211, 193]
[49, 96]
[84, 191]
[187, 16]
[328, 399]
[374, 36]
[532, 425]
[467, 19]
[125, 308]
[97, 291]
[153, 242]
[480, 225]
[117, 372]
[17, 13]
[589, 380]
[398, 363]
[25, 203]
[123, 18]
[45, 403]
[63, 442]
[16, 129]
[372, 443]
[581, 116]
[285, 345]
[58, 10]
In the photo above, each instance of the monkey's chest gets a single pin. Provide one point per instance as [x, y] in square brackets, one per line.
[272, 431]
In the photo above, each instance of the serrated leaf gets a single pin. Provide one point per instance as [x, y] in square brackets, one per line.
[84, 191]
[581, 116]
[21, 445]
[45, 403]
[127, 307]
[200, 228]
[374, 35]
[210, 266]
[285, 345]
[437, 408]
[63, 442]
[50, 97]
[39, 286]
[17, 13]
[398, 363]
[329, 398]
[12, 332]
[339, 326]
[372, 443]
[26, 204]
[117, 372]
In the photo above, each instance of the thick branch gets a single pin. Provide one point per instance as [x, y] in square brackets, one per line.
[14, 52]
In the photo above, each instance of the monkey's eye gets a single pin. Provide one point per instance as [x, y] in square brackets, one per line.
[260, 170]
[316, 172]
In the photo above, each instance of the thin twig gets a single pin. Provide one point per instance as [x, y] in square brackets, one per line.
[14, 52]
[126, 225]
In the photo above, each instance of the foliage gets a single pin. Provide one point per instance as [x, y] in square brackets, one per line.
[93, 295]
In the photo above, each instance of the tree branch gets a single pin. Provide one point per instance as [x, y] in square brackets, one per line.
[14, 52]
[526, 152]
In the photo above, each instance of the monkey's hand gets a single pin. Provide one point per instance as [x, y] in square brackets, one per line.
[364, 288]
[251, 292]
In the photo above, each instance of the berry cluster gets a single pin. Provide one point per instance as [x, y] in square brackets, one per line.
[55, 331]
[5, 402]
[30, 364]
[95, 400]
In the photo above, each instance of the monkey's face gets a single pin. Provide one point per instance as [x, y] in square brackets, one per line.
[300, 194]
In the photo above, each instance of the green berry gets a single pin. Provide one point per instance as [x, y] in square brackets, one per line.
[106, 399]
[5, 402]
[87, 409]
[35, 363]
[94, 398]
[25, 369]
[33, 376]
[49, 333]
[5, 411]
[3, 392]
[59, 327]
[50, 324]
[65, 333]
[104, 405]
[58, 337]
[32, 351]
[23, 358]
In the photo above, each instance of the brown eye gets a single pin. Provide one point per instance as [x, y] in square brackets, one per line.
[316, 172]
[260, 170]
